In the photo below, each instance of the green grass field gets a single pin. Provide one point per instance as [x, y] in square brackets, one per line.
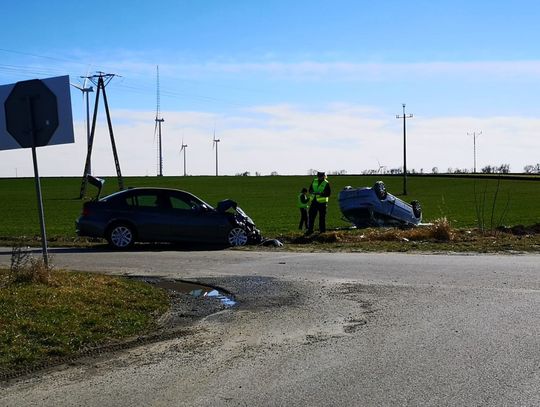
[72, 311]
[271, 201]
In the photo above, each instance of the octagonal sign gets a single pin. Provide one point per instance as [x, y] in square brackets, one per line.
[31, 113]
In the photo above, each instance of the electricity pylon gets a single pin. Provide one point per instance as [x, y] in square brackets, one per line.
[101, 80]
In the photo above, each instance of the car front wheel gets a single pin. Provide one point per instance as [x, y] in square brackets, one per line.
[237, 237]
[121, 236]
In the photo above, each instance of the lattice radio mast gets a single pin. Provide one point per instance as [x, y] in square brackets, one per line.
[157, 128]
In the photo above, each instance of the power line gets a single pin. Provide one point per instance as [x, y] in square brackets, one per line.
[11, 51]
[33, 71]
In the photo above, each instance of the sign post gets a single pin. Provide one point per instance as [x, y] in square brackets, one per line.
[31, 118]
[44, 249]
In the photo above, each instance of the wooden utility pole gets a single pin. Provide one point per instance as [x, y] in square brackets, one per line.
[404, 117]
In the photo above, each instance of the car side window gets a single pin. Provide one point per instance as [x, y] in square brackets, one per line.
[179, 203]
[129, 201]
[147, 200]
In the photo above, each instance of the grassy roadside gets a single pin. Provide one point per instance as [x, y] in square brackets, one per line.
[440, 237]
[65, 313]
[435, 239]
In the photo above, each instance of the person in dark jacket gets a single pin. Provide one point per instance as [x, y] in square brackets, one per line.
[303, 204]
[319, 191]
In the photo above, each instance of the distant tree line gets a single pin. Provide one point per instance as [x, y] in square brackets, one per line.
[532, 169]
[488, 169]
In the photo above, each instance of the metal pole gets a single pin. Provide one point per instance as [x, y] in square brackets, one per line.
[38, 184]
[474, 152]
[109, 123]
[474, 134]
[160, 150]
[404, 152]
[90, 143]
[216, 158]
[40, 209]
[88, 128]
[184, 161]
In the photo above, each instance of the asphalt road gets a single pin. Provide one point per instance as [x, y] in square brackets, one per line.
[319, 329]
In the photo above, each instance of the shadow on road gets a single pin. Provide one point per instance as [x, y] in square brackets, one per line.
[143, 247]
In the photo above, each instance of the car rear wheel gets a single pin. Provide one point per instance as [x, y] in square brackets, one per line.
[237, 237]
[380, 190]
[121, 236]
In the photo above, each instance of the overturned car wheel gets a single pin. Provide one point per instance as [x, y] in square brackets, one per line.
[380, 190]
[417, 209]
[237, 237]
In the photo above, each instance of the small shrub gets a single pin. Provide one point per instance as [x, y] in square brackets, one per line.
[441, 230]
[26, 269]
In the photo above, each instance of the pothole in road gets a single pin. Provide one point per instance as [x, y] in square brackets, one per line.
[195, 290]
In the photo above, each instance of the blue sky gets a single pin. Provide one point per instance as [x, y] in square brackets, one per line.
[287, 85]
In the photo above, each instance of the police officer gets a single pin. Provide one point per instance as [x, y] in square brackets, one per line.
[319, 191]
[303, 205]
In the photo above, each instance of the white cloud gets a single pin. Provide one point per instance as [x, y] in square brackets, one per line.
[290, 140]
[343, 70]
[133, 66]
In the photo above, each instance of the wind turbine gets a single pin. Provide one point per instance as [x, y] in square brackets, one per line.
[86, 91]
[382, 168]
[183, 148]
[215, 142]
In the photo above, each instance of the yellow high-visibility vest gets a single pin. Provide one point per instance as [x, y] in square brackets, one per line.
[319, 188]
[302, 204]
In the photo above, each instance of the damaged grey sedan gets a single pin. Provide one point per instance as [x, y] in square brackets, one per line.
[164, 215]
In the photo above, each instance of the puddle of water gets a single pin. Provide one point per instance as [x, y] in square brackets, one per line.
[196, 291]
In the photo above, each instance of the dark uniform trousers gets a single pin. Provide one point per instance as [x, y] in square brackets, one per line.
[303, 218]
[317, 207]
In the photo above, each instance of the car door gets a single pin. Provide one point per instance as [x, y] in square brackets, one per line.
[177, 216]
[145, 211]
[191, 220]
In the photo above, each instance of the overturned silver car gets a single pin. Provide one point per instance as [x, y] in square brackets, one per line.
[365, 207]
